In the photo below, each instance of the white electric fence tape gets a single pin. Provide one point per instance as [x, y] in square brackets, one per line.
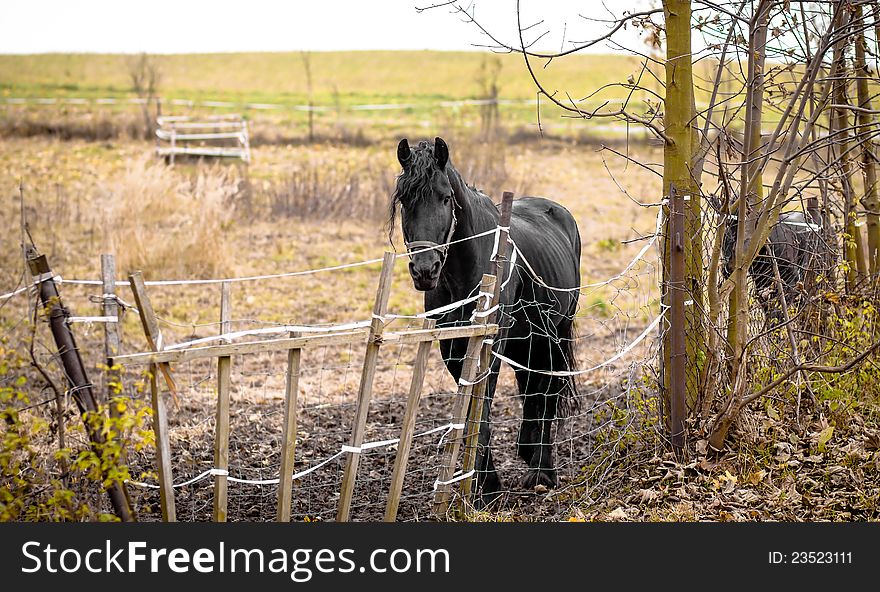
[445, 428]
[610, 360]
[58, 279]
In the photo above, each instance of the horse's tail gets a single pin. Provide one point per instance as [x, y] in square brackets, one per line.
[569, 402]
[569, 398]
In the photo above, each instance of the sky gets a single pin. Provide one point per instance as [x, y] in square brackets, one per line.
[187, 26]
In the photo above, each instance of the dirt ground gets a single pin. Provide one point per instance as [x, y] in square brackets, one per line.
[328, 389]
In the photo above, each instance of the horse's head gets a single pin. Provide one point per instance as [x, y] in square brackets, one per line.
[427, 209]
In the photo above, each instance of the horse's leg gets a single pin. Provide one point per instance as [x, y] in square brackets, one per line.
[527, 382]
[539, 411]
[541, 399]
[453, 352]
[540, 393]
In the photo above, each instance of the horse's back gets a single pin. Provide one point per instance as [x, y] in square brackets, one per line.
[546, 236]
[546, 231]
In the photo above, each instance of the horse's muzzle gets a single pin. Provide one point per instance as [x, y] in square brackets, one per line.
[425, 277]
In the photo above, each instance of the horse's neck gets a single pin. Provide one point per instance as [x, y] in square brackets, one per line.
[468, 260]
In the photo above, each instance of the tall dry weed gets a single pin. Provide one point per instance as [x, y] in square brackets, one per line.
[166, 224]
[338, 189]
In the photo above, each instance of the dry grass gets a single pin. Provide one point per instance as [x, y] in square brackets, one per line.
[360, 75]
[319, 188]
[71, 124]
[167, 225]
[308, 206]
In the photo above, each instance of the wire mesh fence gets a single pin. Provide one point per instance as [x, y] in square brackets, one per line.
[617, 323]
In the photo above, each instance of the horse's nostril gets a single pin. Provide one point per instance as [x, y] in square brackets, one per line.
[435, 269]
[412, 268]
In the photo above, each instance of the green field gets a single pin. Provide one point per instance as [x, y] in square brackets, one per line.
[419, 81]
[357, 76]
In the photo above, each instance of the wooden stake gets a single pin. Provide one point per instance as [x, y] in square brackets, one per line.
[475, 415]
[221, 423]
[111, 330]
[74, 370]
[163, 449]
[409, 425]
[677, 289]
[288, 441]
[113, 374]
[469, 370]
[151, 325]
[365, 390]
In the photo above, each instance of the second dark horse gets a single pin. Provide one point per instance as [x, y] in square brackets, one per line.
[437, 207]
[795, 245]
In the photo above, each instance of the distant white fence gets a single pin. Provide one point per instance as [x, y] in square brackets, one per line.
[256, 106]
[203, 136]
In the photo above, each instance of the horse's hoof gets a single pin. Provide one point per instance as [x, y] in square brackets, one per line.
[540, 477]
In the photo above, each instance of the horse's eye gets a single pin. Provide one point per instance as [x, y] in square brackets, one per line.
[446, 198]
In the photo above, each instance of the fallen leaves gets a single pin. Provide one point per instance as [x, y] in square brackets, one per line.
[824, 436]
[828, 471]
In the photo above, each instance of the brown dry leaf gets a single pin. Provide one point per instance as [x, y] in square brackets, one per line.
[729, 482]
[756, 477]
[648, 496]
[618, 514]
[707, 465]
[783, 451]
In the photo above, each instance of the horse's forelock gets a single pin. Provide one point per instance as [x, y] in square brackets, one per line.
[414, 183]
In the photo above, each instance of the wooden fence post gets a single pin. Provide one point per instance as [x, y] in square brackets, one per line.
[74, 369]
[365, 390]
[475, 416]
[111, 330]
[163, 449]
[470, 367]
[113, 375]
[677, 291]
[288, 440]
[475, 412]
[150, 325]
[160, 418]
[409, 424]
[221, 422]
[173, 143]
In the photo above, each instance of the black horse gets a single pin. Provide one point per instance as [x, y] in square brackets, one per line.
[437, 207]
[794, 243]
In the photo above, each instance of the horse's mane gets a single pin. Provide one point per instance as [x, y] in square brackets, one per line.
[413, 184]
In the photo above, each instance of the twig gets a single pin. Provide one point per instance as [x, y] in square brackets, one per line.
[812, 368]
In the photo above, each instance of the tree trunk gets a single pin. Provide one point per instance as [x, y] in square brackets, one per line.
[678, 160]
[865, 122]
[853, 253]
[751, 187]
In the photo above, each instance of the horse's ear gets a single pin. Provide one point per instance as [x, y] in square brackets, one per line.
[403, 152]
[441, 153]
